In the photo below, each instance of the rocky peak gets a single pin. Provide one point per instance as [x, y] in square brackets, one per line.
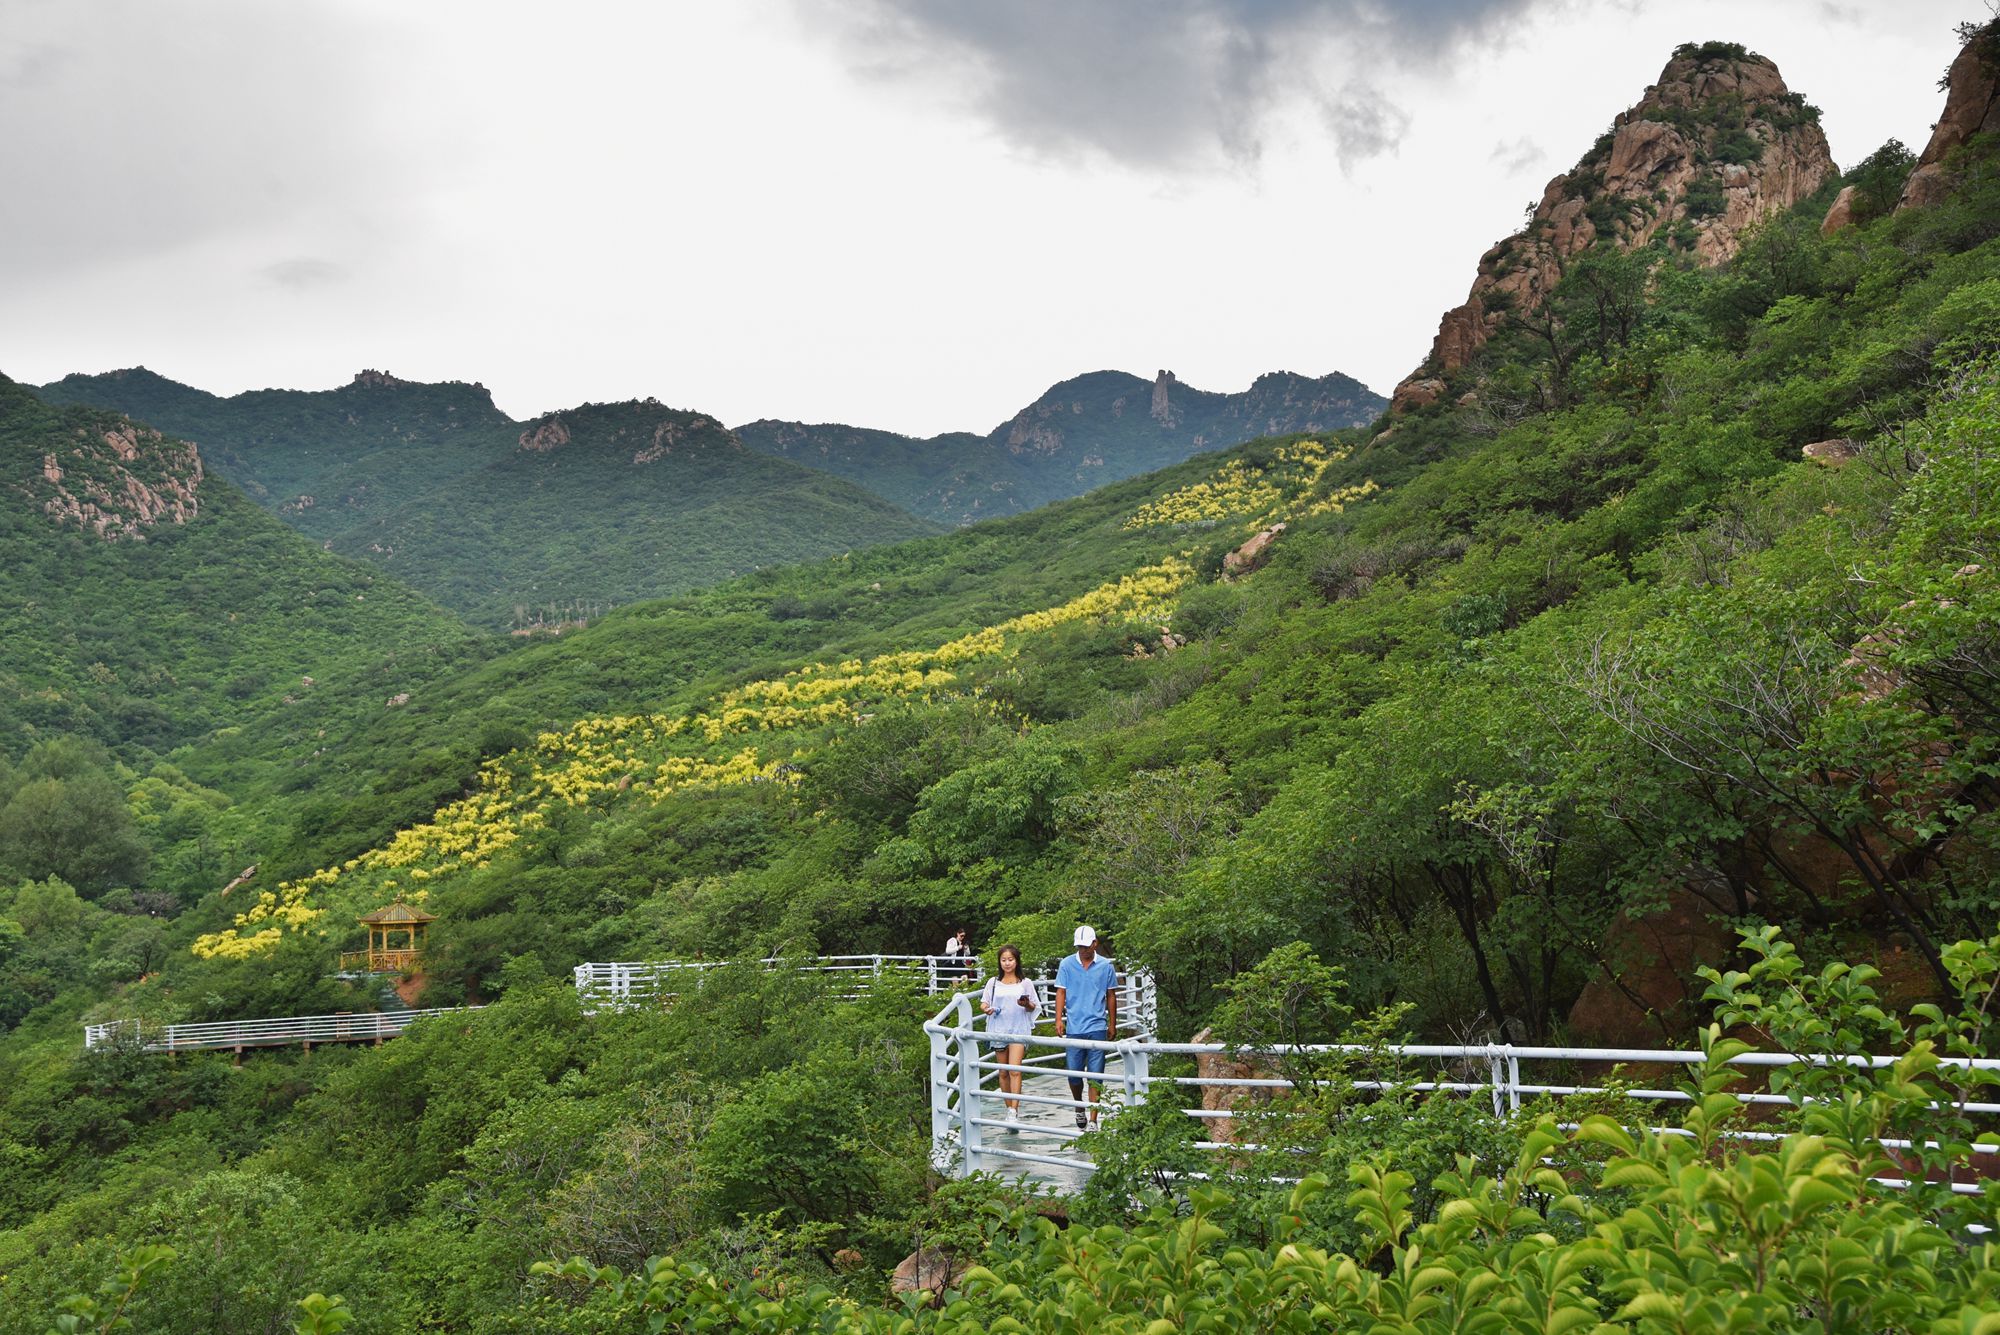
[1971, 106]
[1162, 411]
[544, 435]
[115, 479]
[1715, 146]
[646, 428]
[377, 379]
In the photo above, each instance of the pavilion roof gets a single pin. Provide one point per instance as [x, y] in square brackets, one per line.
[396, 914]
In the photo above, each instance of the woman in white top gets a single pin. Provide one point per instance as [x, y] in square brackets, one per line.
[1011, 1004]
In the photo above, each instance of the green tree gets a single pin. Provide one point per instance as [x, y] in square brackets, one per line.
[1134, 842]
[67, 817]
[1878, 179]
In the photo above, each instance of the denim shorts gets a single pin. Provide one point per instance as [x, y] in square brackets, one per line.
[1085, 1059]
[1001, 1042]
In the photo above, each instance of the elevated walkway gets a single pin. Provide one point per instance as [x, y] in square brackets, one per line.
[238, 1035]
[601, 986]
[970, 1133]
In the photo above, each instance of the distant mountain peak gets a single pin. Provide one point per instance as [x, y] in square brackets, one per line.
[1078, 434]
[377, 379]
[649, 429]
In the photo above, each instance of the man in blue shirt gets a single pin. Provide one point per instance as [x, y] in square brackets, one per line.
[1086, 1007]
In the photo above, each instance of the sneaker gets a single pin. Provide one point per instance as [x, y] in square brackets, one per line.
[1013, 1117]
[1082, 1122]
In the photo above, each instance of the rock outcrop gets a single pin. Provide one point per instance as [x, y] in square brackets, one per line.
[545, 435]
[118, 480]
[1717, 145]
[1971, 106]
[1647, 992]
[1163, 410]
[1229, 1098]
[1251, 554]
[1417, 393]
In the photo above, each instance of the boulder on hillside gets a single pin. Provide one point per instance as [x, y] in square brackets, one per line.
[1832, 453]
[1841, 214]
[1251, 554]
[927, 1270]
[1228, 1098]
[1648, 993]
[1414, 394]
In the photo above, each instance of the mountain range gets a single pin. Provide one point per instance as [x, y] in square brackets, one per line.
[539, 524]
[1080, 434]
[515, 525]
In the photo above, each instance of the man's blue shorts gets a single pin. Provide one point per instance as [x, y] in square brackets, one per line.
[1085, 1059]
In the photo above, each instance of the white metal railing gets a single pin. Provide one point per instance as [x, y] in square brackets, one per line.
[649, 982]
[968, 1135]
[285, 1031]
[609, 986]
[652, 982]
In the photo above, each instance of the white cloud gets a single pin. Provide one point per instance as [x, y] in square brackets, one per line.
[759, 213]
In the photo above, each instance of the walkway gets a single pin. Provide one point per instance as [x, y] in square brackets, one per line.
[969, 1133]
[600, 986]
[237, 1035]
[1039, 1146]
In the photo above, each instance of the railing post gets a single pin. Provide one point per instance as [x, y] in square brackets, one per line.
[968, 1095]
[1497, 1078]
[1135, 1070]
[940, 1100]
[930, 975]
[1513, 1081]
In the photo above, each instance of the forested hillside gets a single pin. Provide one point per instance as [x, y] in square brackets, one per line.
[1083, 433]
[150, 606]
[332, 464]
[513, 525]
[1662, 606]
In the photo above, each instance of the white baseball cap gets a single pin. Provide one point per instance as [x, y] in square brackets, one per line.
[1085, 936]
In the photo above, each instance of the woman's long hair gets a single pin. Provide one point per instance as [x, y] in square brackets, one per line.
[1020, 971]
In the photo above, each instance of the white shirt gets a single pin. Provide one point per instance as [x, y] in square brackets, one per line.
[952, 946]
[1009, 1015]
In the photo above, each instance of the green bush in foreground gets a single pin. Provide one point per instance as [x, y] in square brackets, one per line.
[1701, 1227]
[1711, 1240]
[1723, 1222]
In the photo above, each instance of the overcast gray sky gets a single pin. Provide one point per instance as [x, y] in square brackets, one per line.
[911, 214]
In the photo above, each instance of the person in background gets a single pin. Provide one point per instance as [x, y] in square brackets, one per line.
[1086, 1007]
[1011, 1004]
[957, 950]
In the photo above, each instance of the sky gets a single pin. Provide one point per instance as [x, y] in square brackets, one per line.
[907, 214]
